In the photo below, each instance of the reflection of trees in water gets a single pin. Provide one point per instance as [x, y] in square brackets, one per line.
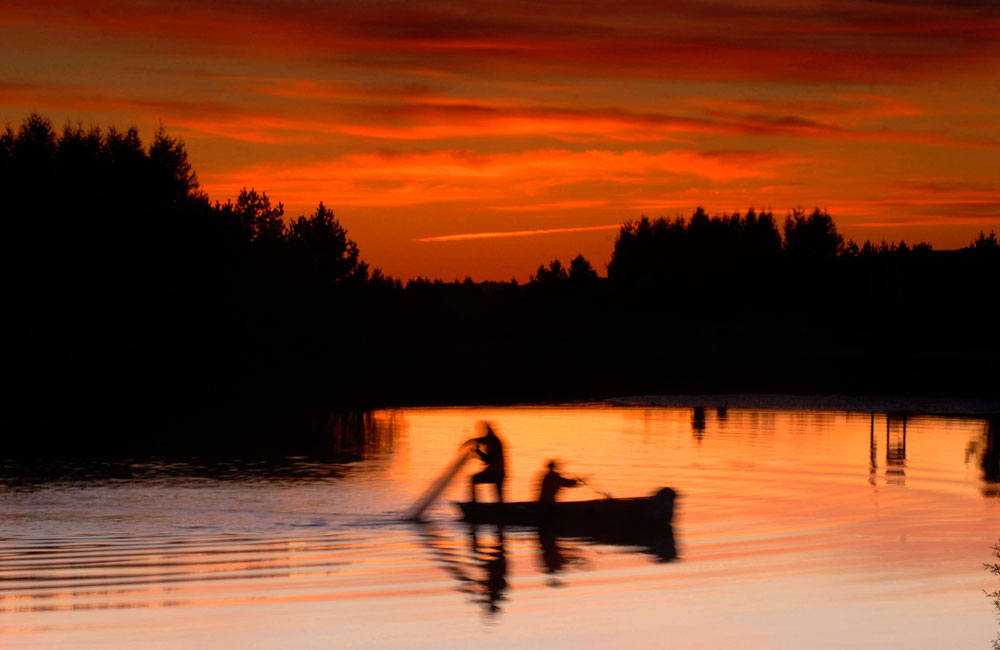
[314, 453]
[740, 424]
[991, 452]
[986, 451]
[994, 568]
[29, 474]
[365, 431]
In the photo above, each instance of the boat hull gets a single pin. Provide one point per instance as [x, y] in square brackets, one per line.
[585, 516]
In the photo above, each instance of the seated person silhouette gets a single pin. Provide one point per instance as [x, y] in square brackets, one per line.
[552, 482]
[489, 448]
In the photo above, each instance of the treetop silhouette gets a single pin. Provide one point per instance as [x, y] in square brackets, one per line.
[132, 301]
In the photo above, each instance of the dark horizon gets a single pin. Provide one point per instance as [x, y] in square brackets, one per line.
[129, 293]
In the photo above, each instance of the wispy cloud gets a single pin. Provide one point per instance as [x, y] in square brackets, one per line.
[510, 182]
[552, 207]
[415, 114]
[514, 233]
[780, 40]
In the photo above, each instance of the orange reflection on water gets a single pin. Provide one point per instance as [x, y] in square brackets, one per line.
[786, 520]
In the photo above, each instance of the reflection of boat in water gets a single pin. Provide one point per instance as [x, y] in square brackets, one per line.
[578, 518]
[638, 525]
[657, 541]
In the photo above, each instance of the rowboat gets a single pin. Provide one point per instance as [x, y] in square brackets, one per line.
[569, 516]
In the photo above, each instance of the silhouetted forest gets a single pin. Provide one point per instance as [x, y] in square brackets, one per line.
[141, 315]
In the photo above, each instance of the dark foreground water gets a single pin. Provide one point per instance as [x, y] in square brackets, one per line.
[794, 529]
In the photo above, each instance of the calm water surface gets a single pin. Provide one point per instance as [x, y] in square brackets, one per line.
[794, 529]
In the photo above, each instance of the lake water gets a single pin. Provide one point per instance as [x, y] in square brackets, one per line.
[793, 529]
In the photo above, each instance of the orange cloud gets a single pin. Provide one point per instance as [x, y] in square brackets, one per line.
[516, 233]
[550, 207]
[489, 181]
[416, 113]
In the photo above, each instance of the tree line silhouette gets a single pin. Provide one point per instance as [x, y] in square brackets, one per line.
[139, 314]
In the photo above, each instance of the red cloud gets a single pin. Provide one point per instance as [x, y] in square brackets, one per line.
[791, 40]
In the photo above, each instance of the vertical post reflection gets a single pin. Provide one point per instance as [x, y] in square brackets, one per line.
[698, 422]
[895, 449]
[873, 455]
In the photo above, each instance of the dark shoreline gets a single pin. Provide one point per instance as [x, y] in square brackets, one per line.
[914, 406]
[141, 316]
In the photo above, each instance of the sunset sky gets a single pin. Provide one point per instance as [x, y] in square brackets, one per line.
[484, 138]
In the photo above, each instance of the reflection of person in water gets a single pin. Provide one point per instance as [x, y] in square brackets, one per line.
[555, 556]
[494, 562]
[552, 482]
[551, 554]
[489, 448]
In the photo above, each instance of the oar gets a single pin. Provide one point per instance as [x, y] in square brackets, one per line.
[606, 495]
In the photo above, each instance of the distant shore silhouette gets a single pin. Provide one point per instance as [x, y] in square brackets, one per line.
[140, 313]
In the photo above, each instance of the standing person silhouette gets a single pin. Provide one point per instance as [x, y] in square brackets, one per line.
[489, 448]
